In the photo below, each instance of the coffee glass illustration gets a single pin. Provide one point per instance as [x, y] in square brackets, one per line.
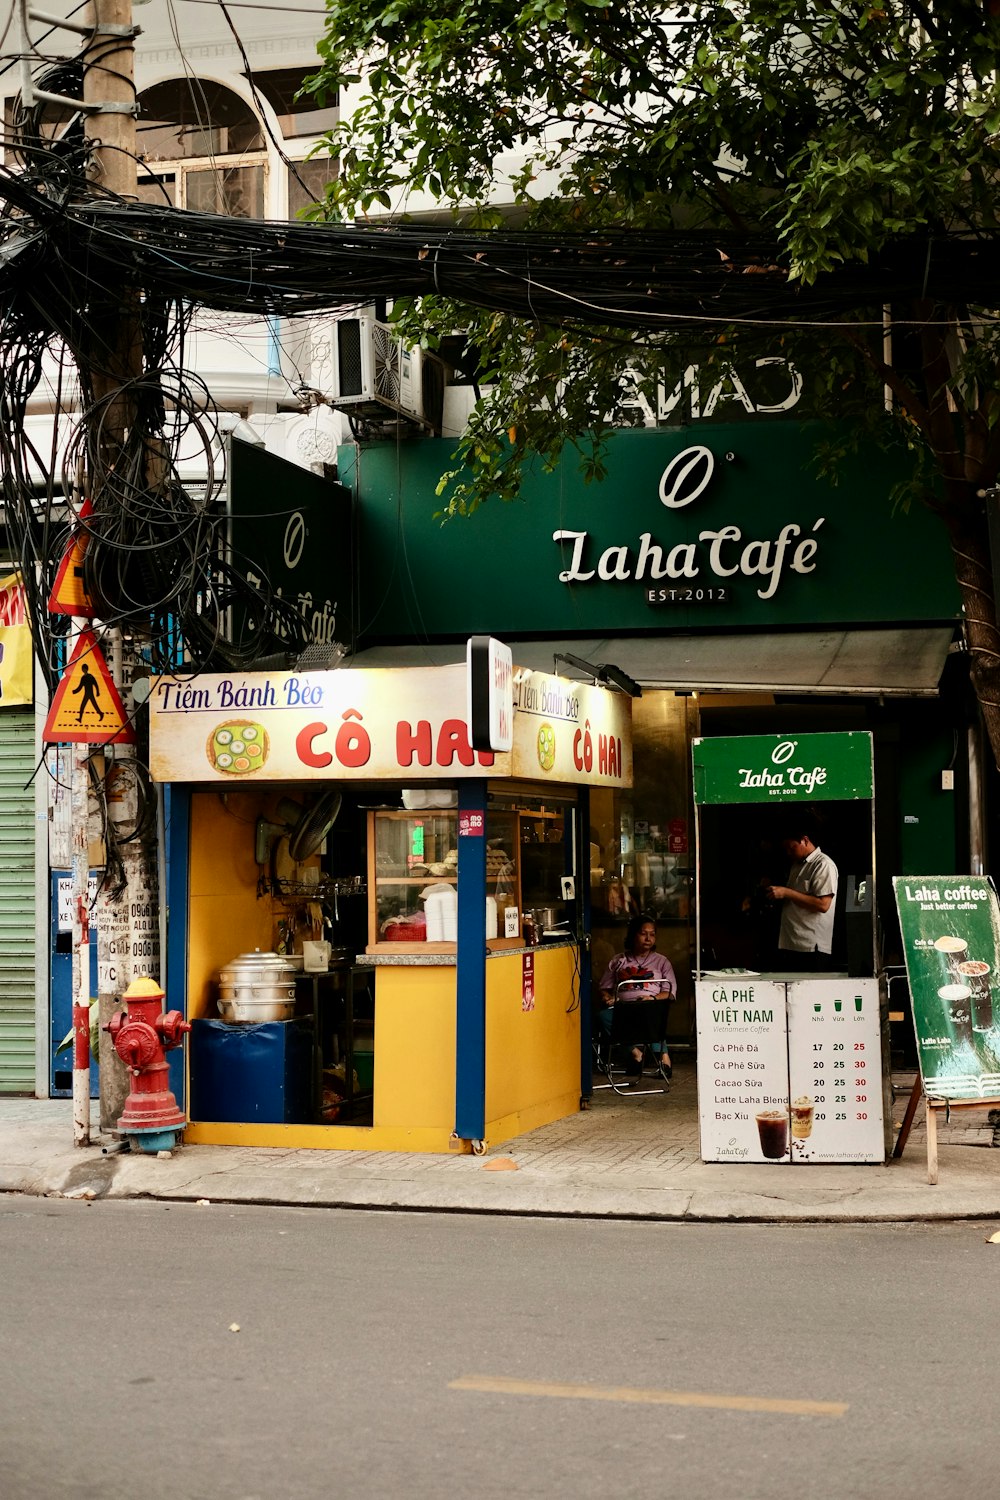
[954, 951]
[976, 975]
[772, 1127]
[802, 1118]
[957, 1002]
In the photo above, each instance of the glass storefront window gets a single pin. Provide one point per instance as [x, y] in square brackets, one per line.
[642, 840]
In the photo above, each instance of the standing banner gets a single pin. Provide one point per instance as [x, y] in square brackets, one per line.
[16, 662]
[950, 925]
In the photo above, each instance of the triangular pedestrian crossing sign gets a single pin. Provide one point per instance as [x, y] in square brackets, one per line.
[86, 708]
[68, 596]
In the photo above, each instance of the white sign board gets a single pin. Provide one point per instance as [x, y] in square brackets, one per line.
[789, 1072]
[742, 1070]
[835, 1070]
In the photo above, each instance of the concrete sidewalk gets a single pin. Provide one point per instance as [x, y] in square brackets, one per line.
[620, 1159]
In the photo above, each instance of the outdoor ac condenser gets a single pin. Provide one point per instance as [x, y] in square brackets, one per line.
[374, 375]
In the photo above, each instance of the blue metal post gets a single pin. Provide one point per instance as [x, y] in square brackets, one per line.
[470, 1017]
[582, 875]
[178, 854]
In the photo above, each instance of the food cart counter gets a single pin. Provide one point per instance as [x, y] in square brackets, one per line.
[465, 932]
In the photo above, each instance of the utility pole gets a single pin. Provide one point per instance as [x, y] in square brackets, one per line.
[112, 360]
[127, 930]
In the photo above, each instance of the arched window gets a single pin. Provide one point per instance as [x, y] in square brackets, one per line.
[201, 147]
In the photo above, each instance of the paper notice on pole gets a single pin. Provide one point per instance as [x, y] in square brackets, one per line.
[144, 917]
[64, 900]
[742, 1070]
[113, 945]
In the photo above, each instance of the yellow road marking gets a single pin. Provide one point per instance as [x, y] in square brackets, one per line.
[501, 1386]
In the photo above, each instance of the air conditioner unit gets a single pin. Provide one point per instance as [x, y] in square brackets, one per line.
[374, 375]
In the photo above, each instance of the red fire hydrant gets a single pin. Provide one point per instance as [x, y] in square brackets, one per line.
[142, 1034]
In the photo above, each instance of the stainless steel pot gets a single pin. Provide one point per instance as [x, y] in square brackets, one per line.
[257, 987]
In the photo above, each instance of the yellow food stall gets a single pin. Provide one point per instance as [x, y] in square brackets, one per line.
[379, 933]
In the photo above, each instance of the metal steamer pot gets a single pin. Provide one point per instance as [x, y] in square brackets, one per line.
[257, 987]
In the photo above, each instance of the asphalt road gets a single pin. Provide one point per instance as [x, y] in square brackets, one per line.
[185, 1351]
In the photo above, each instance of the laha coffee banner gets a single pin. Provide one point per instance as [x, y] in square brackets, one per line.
[950, 926]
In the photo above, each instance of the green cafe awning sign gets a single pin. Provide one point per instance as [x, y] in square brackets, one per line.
[783, 768]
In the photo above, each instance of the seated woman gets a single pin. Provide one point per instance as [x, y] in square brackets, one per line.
[653, 975]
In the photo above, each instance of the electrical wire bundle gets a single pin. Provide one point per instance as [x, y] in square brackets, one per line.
[156, 563]
[674, 281]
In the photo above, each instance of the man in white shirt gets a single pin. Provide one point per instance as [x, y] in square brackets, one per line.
[805, 940]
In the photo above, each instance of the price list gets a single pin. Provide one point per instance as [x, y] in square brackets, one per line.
[835, 1071]
[742, 1070]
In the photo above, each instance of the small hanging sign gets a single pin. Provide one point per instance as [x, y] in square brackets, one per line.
[527, 981]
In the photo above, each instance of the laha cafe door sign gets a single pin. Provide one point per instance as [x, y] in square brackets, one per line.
[796, 768]
[950, 926]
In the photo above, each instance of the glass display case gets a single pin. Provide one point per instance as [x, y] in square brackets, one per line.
[413, 876]
[542, 855]
[409, 853]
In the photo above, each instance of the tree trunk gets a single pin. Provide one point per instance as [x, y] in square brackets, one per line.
[969, 535]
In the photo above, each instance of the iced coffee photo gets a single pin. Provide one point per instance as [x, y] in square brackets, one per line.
[772, 1127]
[802, 1118]
[954, 950]
[956, 1000]
[976, 975]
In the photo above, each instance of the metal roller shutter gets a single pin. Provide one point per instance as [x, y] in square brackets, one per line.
[17, 900]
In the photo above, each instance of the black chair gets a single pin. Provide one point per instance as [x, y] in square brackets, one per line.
[634, 1023]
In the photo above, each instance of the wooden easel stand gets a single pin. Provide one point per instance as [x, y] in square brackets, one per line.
[934, 1106]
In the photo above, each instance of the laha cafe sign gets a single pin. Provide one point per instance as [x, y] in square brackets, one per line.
[700, 568]
[767, 768]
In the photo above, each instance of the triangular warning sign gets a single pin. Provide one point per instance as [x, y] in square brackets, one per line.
[86, 708]
[68, 596]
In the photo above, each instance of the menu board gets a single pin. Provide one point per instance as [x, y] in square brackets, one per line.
[742, 1069]
[950, 926]
[789, 1072]
[835, 1071]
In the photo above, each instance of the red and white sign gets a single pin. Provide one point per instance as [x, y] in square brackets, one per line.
[527, 981]
[490, 667]
[677, 836]
[471, 825]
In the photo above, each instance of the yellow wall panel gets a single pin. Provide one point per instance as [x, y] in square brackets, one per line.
[415, 1047]
[225, 915]
[532, 1056]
